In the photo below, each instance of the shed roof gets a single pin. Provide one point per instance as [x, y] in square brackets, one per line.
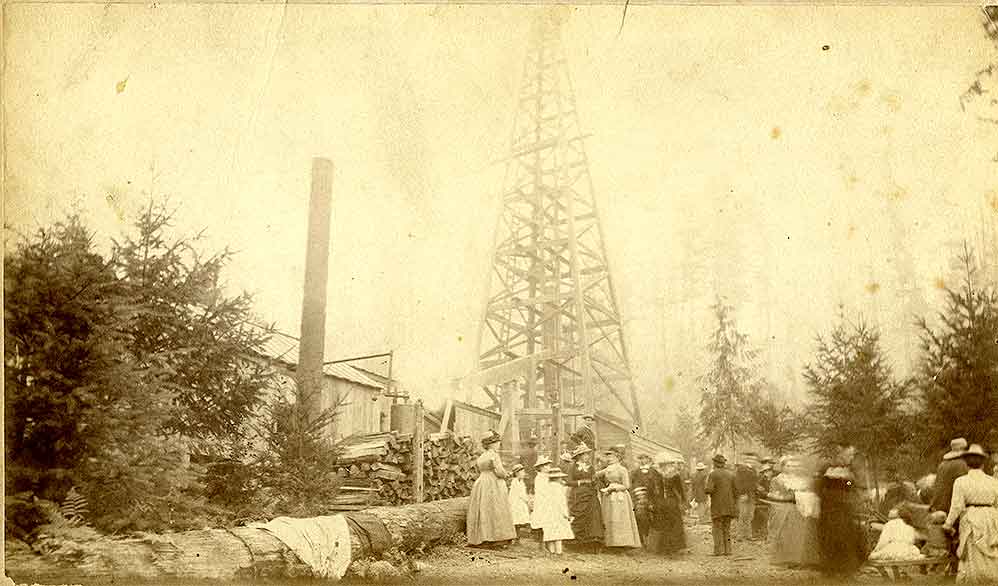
[284, 348]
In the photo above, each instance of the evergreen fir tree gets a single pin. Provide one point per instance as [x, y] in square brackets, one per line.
[959, 369]
[855, 398]
[729, 384]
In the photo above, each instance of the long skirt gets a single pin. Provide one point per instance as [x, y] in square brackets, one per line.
[978, 549]
[794, 536]
[619, 525]
[587, 517]
[670, 523]
[489, 518]
[841, 539]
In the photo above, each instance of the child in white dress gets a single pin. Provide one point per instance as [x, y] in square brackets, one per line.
[558, 525]
[518, 506]
[541, 506]
[897, 539]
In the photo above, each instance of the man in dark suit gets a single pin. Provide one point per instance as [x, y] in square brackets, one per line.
[951, 468]
[528, 457]
[746, 480]
[585, 434]
[721, 488]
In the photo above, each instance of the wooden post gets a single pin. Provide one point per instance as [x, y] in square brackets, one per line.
[509, 428]
[448, 413]
[417, 459]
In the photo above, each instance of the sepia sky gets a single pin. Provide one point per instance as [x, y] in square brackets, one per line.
[731, 152]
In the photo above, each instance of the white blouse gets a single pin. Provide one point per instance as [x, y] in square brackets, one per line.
[974, 488]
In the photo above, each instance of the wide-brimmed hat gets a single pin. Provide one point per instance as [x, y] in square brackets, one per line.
[557, 474]
[766, 467]
[542, 461]
[975, 450]
[701, 466]
[516, 468]
[490, 439]
[956, 448]
[719, 459]
[581, 449]
[589, 416]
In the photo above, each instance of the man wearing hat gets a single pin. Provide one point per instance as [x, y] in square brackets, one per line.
[646, 489]
[699, 495]
[721, 488]
[528, 455]
[951, 468]
[746, 479]
[585, 434]
[760, 519]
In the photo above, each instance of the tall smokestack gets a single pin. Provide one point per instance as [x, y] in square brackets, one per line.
[313, 310]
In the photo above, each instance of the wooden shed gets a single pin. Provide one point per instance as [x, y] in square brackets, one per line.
[363, 408]
[612, 431]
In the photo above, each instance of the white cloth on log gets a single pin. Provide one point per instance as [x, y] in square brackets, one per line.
[322, 543]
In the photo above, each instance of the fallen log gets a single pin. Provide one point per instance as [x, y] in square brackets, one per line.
[242, 552]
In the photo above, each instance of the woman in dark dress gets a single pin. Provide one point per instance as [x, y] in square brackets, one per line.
[841, 539]
[587, 517]
[670, 517]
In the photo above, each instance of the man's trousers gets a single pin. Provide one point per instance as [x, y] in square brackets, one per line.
[721, 530]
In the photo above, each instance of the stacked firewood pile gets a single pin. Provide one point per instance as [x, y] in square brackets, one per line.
[448, 466]
[377, 469]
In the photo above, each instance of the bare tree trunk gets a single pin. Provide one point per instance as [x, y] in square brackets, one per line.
[236, 554]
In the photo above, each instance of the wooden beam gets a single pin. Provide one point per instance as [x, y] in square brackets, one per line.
[417, 458]
[448, 413]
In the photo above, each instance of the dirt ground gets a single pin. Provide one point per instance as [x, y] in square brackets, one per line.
[525, 564]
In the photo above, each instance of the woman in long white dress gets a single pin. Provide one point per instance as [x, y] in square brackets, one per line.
[975, 505]
[489, 519]
[620, 527]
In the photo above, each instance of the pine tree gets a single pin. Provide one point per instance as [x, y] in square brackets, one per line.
[114, 365]
[729, 384]
[684, 434]
[775, 425]
[184, 324]
[855, 398]
[959, 369]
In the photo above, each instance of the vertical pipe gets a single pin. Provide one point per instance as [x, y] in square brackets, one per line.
[313, 312]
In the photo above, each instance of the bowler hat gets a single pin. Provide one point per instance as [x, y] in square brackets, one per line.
[719, 459]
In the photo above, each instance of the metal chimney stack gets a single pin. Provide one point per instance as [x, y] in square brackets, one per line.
[311, 351]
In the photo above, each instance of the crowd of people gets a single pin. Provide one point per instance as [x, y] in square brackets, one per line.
[811, 517]
[589, 500]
